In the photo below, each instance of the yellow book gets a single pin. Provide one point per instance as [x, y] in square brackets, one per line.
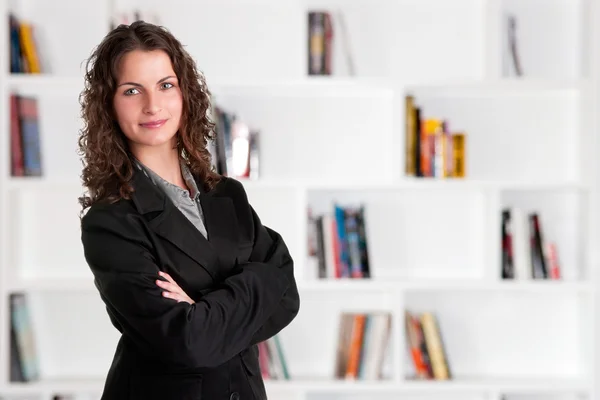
[28, 45]
[435, 348]
[459, 151]
[410, 137]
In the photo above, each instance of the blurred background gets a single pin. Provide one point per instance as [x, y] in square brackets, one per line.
[430, 163]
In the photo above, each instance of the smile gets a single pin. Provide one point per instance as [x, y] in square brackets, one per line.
[154, 124]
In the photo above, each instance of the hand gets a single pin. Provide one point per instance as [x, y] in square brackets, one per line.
[172, 289]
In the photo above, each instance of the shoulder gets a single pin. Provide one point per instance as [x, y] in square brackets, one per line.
[113, 233]
[232, 188]
[108, 215]
[234, 191]
[115, 240]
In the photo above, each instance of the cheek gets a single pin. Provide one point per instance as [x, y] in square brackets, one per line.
[176, 105]
[124, 111]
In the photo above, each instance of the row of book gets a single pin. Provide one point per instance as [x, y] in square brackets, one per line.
[337, 242]
[24, 48]
[271, 357]
[327, 33]
[235, 151]
[362, 345]
[432, 149]
[24, 365]
[25, 150]
[320, 37]
[426, 347]
[526, 251]
[25, 54]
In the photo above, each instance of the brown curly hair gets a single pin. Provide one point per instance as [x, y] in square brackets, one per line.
[108, 166]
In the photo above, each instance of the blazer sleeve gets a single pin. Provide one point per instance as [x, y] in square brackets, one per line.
[204, 334]
[269, 249]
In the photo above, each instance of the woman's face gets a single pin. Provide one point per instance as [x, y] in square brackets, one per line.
[148, 101]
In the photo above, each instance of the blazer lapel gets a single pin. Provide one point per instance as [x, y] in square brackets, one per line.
[167, 221]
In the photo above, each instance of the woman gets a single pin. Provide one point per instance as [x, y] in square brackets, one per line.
[189, 275]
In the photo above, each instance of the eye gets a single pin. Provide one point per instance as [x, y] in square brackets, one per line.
[167, 85]
[131, 91]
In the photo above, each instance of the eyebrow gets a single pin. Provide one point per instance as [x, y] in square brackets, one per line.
[138, 85]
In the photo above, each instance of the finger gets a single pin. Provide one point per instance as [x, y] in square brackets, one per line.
[177, 297]
[170, 295]
[167, 277]
[170, 280]
[168, 286]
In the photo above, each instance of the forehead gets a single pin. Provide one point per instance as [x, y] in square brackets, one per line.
[140, 65]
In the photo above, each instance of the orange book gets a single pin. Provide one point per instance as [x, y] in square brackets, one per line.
[414, 343]
[358, 330]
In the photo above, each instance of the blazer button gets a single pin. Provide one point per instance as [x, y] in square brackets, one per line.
[234, 396]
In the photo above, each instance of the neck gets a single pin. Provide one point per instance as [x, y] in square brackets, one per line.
[164, 162]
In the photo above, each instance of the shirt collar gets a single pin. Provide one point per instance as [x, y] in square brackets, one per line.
[168, 186]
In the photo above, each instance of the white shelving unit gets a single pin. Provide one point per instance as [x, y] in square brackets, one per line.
[434, 244]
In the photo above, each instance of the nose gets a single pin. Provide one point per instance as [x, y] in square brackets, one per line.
[151, 105]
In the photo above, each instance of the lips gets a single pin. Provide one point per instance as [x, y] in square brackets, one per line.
[154, 124]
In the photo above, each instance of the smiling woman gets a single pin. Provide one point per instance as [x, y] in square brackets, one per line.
[189, 275]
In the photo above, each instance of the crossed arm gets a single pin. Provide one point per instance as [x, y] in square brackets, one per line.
[250, 306]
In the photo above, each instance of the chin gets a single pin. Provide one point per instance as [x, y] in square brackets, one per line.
[154, 139]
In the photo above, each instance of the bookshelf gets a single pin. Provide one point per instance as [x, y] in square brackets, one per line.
[434, 244]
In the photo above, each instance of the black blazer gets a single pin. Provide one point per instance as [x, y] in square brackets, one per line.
[241, 279]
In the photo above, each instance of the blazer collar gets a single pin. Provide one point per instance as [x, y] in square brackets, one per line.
[147, 197]
[167, 221]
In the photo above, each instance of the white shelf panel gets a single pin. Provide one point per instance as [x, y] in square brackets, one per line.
[65, 386]
[45, 81]
[309, 86]
[445, 183]
[42, 183]
[28, 183]
[83, 285]
[332, 285]
[506, 86]
[385, 286]
[520, 385]
[336, 86]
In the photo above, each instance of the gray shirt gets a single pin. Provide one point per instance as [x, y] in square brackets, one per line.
[188, 202]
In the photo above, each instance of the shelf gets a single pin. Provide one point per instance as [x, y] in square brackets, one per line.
[353, 285]
[507, 86]
[45, 83]
[83, 285]
[309, 86]
[333, 85]
[64, 386]
[41, 182]
[391, 285]
[22, 183]
[301, 87]
[518, 385]
[446, 183]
